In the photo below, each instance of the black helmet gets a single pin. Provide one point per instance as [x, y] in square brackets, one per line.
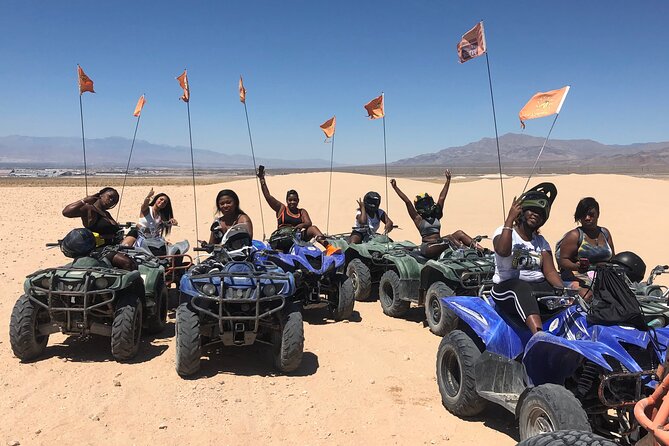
[372, 201]
[237, 237]
[78, 242]
[540, 197]
[635, 267]
[282, 239]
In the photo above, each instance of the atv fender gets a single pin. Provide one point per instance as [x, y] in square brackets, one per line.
[495, 333]
[408, 270]
[150, 278]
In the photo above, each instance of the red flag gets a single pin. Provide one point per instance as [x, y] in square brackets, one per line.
[85, 82]
[543, 104]
[139, 106]
[242, 90]
[375, 108]
[328, 127]
[472, 44]
[183, 81]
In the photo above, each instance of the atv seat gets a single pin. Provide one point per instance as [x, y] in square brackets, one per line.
[419, 258]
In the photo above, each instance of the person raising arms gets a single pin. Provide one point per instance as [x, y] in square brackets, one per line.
[426, 215]
[156, 219]
[290, 215]
[228, 214]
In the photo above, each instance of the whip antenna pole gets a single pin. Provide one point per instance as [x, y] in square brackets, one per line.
[494, 119]
[192, 165]
[255, 169]
[541, 151]
[385, 155]
[127, 167]
[327, 228]
[83, 143]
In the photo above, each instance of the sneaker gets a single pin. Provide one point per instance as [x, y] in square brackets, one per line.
[331, 250]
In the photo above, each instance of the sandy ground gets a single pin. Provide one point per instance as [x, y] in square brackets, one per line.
[371, 380]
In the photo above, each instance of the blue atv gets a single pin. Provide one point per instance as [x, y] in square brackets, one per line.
[573, 375]
[236, 298]
[316, 274]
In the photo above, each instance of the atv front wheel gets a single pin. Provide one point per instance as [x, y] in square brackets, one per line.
[289, 342]
[156, 322]
[345, 301]
[189, 347]
[361, 279]
[389, 295]
[26, 341]
[456, 357]
[440, 318]
[126, 329]
[567, 438]
[550, 408]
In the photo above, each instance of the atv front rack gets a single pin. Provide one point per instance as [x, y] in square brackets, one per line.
[626, 380]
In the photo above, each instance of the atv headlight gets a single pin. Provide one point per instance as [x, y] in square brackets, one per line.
[209, 289]
[269, 290]
[101, 283]
[45, 283]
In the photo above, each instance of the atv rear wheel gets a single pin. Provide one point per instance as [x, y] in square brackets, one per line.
[567, 438]
[26, 341]
[188, 342]
[389, 295]
[550, 408]
[288, 345]
[156, 322]
[345, 301]
[126, 329]
[440, 318]
[456, 357]
[361, 278]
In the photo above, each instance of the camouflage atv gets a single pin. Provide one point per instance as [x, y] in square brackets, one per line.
[423, 281]
[366, 262]
[89, 297]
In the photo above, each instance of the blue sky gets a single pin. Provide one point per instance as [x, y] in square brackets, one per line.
[304, 61]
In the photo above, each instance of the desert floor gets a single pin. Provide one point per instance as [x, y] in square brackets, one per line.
[367, 381]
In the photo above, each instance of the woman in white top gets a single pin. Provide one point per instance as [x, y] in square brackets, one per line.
[155, 222]
[523, 258]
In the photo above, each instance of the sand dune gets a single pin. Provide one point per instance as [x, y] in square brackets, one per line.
[368, 381]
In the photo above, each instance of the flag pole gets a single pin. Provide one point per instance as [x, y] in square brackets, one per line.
[127, 167]
[255, 169]
[494, 119]
[385, 152]
[192, 165]
[327, 228]
[540, 151]
[83, 142]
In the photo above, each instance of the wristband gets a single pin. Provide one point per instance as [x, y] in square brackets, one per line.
[507, 227]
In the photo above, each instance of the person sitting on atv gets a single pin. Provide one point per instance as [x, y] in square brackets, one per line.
[523, 258]
[94, 213]
[368, 218]
[229, 214]
[289, 215]
[581, 247]
[155, 222]
[426, 215]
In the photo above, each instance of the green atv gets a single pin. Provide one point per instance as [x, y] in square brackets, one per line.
[366, 262]
[90, 297]
[423, 281]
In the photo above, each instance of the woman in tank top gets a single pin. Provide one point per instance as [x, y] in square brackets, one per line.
[94, 213]
[291, 215]
[584, 246]
[156, 219]
[228, 214]
[426, 215]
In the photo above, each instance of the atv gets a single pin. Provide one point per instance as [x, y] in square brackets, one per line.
[365, 262]
[89, 297]
[572, 375]
[236, 298]
[316, 274]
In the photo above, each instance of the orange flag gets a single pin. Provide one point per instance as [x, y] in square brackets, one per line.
[543, 104]
[242, 90]
[375, 108]
[183, 81]
[329, 127]
[85, 82]
[472, 43]
[139, 106]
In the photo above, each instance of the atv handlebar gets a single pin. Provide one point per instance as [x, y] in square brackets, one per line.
[51, 245]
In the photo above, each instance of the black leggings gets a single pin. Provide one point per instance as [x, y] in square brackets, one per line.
[514, 296]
